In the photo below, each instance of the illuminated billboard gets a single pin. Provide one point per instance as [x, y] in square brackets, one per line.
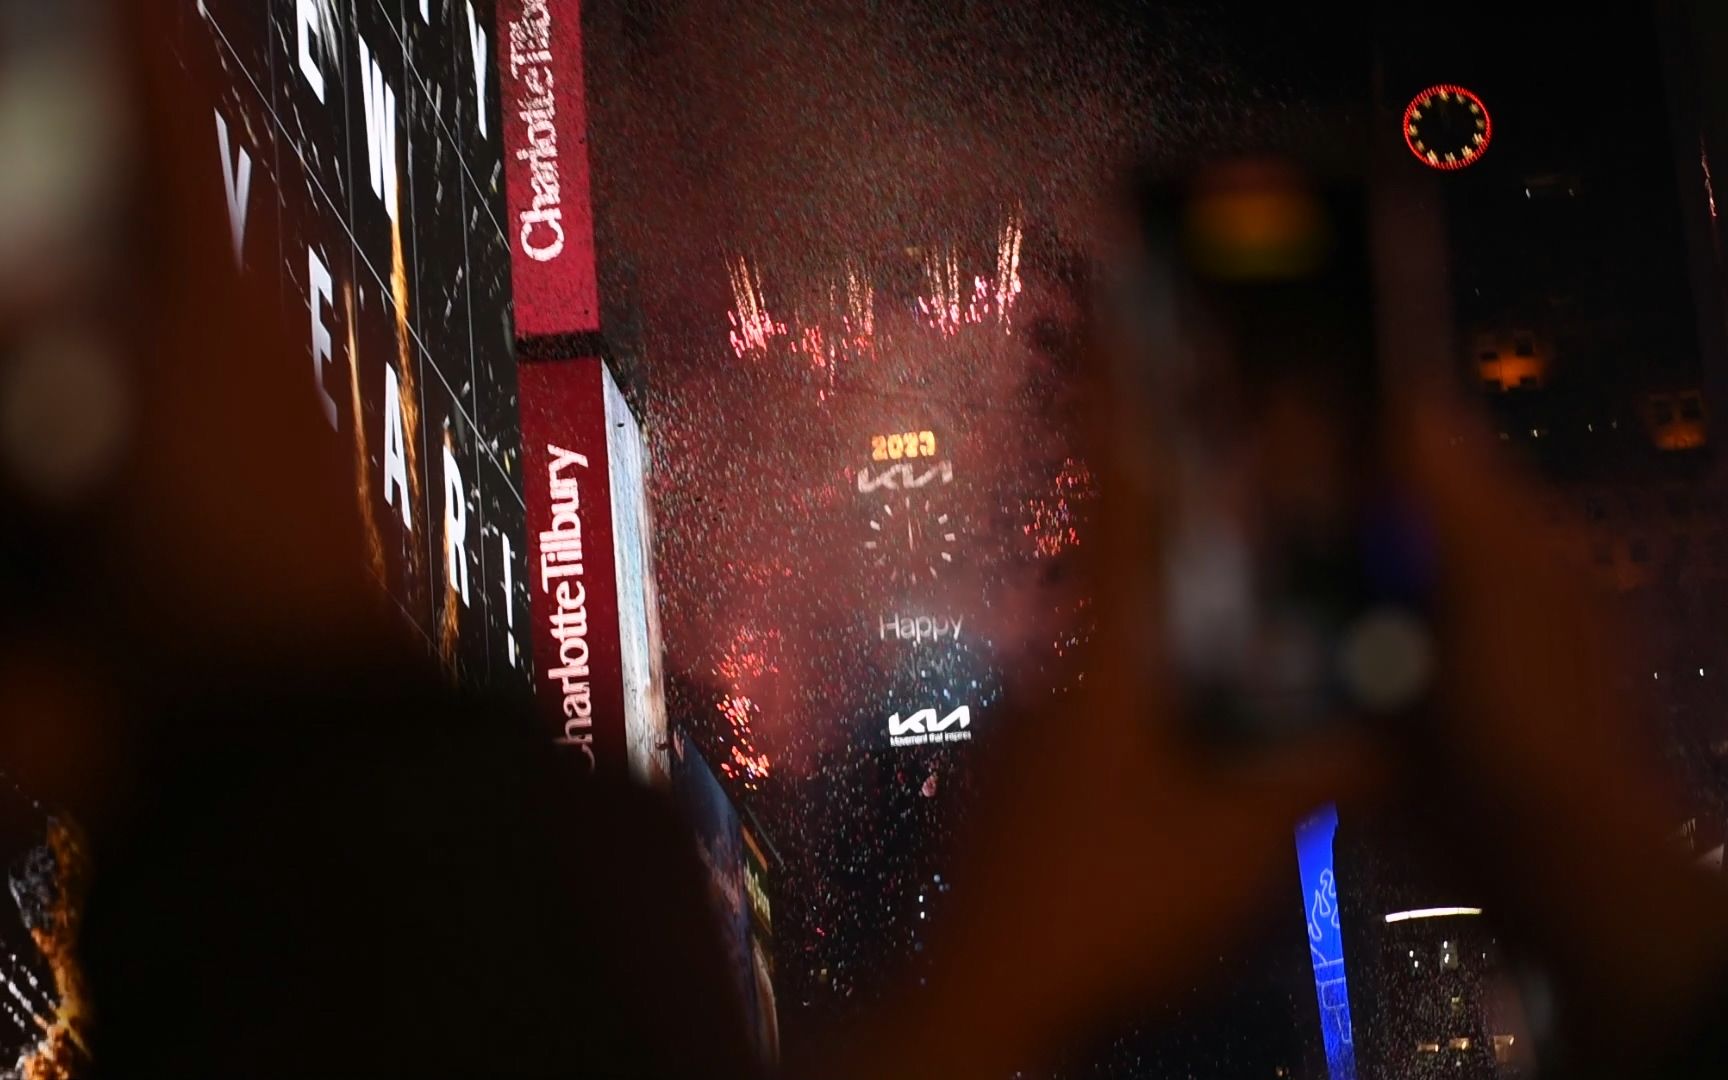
[546, 139]
[911, 544]
[596, 636]
[354, 157]
[764, 1007]
[738, 873]
[1314, 857]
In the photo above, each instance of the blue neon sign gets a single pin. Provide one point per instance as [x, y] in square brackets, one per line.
[1326, 939]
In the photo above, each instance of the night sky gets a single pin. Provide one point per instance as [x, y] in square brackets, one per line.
[820, 222]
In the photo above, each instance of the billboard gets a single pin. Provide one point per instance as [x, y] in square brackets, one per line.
[1315, 861]
[738, 873]
[546, 142]
[596, 637]
[355, 158]
[764, 1009]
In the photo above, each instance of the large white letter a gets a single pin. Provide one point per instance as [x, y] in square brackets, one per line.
[395, 459]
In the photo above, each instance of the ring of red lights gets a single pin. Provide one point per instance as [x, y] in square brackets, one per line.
[1469, 157]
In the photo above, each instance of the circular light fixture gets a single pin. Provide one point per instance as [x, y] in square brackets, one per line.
[1447, 127]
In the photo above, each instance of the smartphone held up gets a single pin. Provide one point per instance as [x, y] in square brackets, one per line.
[1295, 582]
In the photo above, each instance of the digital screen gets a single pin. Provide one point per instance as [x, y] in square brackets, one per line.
[551, 224]
[597, 637]
[765, 1009]
[906, 444]
[738, 877]
[355, 156]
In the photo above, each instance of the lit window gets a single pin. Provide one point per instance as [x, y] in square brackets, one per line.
[1503, 1048]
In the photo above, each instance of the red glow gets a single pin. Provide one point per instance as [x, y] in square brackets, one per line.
[1053, 519]
[1430, 157]
[746, 765]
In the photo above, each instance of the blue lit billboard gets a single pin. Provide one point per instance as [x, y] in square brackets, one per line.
[1326, 939]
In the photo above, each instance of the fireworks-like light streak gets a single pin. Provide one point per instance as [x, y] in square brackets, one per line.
[405, 371]
[860, 317]
[941, 307]
[746, 765]
[821, 350]
[362, 471]
[450, 617]
[63, 1049]
[1008, 270]
[1054, 523]
[846, 329]
[752, 324]
[950, 305]
[751, 656]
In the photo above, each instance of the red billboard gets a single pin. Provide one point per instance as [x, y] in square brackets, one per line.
[596, 637]
[551, 223]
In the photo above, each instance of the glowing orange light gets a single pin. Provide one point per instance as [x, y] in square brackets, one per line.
[908, 444]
